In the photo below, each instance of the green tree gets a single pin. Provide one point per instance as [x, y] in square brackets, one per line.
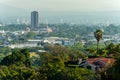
[53, 70]
[98, 35]
[111, 48]
[112, 72]
[58, 51]
[30, 35]
[21, 57]
[79, 74]
[56, 70]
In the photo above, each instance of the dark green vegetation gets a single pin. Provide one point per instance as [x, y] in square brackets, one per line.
[113, 71]
[18, 58]
[16, 64]
[19, 65]
[51, 65]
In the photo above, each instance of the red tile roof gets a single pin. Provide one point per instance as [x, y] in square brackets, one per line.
[100, 61]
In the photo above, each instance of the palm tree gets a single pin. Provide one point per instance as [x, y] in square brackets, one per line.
[98, 35]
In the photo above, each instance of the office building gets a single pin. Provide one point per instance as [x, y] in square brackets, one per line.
[34, 19]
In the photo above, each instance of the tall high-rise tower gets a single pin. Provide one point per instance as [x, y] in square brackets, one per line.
[34, 19]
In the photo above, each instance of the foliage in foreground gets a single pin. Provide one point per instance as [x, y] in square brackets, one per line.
[17, 66]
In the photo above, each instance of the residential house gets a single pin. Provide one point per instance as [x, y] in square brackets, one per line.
[97, 64]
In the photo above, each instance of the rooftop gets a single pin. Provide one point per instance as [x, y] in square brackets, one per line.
[100, 61]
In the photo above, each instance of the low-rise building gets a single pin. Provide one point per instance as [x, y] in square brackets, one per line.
[22, 45]
[58, 40]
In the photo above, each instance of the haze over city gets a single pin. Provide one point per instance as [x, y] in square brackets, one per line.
[70, 11]
[59, 39]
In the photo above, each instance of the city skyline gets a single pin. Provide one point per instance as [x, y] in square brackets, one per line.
[70, 11]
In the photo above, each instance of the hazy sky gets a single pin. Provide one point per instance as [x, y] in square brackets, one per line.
[65, 5]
